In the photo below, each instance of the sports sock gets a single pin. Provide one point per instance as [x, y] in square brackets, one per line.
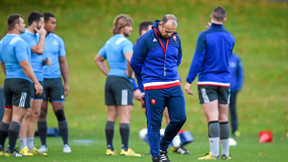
[13, 134]
[214, 134]
[176, 142]
[63, 128]
[124, 132]
[23, 142]
[109, 132]
[30, 143]
[224, 137]
[42, 129]
[3, 134]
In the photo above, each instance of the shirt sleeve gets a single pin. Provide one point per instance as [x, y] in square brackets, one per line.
[62, 51]
[197, 59]
[102, 52]
[29, 40]
[21, 51]
[127, 47]
[140, 51]
[240, 74]
[179, 52]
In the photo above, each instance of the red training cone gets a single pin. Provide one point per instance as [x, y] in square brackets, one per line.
[265, 136]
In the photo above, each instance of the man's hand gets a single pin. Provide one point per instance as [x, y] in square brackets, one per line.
[208, 26]
[137, 95]
[41, 31]
[39, 88]
[66, 90]
[48, 61]
[187, 88]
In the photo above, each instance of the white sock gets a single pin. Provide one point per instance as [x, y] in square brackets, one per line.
[30, 143]
[23, 142]
[214, 146]
[225, 146]
[176, 141]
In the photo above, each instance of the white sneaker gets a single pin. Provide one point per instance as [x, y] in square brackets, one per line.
[66, 148]
[43, 148]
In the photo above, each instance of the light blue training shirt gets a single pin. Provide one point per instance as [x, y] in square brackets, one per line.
[54, 48]
[36, 59]
[114, 51]
[13, 50]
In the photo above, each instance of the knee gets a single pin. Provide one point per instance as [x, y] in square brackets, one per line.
[183, 120]
[35, 114]
[60, 115]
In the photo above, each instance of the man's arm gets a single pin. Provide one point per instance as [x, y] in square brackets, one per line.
[179, 52]
[100, 62]
[64, 72]
[25, 65]
[39, 48]
[3, 68]
[128, 56]
[196, 63]
[140, 51]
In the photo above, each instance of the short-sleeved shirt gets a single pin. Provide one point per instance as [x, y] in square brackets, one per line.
[114, 51]
[36, 59]
[13, 50]
[54, 48]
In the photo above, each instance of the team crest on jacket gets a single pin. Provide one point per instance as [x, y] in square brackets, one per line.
[153, 101]
[174, 37]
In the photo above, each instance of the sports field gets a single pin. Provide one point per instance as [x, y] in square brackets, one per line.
[259, 27]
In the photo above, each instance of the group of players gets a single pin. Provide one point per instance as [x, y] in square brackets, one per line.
[33, 60]
[154, 60]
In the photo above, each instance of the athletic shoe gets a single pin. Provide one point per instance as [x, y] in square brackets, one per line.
[181, 150]
[109, 152]
[43, 148]
[129, 152]
[66, 148]
[25, 152]
[164, 156]
[208, 156]
[2, 153]
[224, 157]
[156, 159]
[36, 152]
[15, 154]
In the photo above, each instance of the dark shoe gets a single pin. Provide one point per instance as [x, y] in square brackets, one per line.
[156, 159]
[164, 157]
[224, 157]
[181, 150]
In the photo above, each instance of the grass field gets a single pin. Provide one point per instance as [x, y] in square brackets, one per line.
[260, 30]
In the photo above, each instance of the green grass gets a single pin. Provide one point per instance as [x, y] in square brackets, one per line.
[260, 30]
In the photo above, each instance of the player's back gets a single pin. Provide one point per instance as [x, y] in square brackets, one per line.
[13, 50]
[114, 51]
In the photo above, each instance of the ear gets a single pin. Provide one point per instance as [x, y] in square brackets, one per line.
[210, 17]
[34, 23]
[225, 19]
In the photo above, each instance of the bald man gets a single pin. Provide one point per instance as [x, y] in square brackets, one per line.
[155, 61]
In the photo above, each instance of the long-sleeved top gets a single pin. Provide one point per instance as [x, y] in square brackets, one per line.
[211, 57]
[156, 59]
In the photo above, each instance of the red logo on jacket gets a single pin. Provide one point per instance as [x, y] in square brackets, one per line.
[174, 37]
[153, 101]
